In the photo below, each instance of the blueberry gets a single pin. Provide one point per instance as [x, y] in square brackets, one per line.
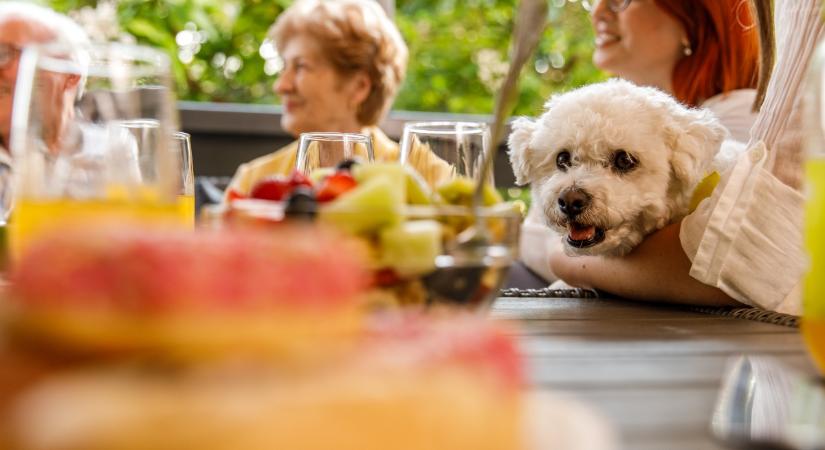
[301, 204]
[347, 164]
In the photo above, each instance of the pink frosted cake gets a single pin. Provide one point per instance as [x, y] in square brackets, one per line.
[179, 294]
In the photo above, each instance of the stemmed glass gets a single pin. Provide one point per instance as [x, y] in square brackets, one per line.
[317, 150]
[74, 160]
[442, 151]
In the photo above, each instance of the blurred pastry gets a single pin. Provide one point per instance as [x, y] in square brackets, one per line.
[182, 295]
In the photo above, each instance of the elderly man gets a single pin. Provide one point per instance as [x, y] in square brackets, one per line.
[22, 24]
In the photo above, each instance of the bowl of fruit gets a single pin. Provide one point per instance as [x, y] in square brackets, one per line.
[413, 233]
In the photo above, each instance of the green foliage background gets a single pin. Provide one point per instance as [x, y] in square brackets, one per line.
[445, 37]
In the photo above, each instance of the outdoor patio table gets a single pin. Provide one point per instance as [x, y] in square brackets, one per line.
[652, 370]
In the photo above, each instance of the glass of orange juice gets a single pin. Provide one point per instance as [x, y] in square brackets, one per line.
[75, 163]
[182, 145]
[813, 321]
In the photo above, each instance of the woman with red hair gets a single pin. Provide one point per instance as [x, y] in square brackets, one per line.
[743, 245]
[706, 53]
[703, 52]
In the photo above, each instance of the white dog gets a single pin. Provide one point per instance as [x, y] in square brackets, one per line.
[611, 162]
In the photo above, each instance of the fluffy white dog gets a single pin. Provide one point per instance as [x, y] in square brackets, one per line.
[611, 162]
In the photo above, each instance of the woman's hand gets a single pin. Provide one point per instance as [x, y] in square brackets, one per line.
[656, 270]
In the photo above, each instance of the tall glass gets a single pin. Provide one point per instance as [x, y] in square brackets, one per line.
[182, 145]
[75, 162]
[146, 134]
[813, 321]
[318, 150]
[443, 151]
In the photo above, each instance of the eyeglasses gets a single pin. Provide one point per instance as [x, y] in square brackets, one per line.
[8, 53]
[616, 6]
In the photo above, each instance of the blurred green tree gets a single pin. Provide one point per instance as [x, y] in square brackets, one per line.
[458, 48]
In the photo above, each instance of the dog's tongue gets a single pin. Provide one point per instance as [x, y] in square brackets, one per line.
[582, 232]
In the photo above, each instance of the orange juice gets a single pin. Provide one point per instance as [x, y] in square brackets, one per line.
[32, 218]
[186, 208]
[813, 322]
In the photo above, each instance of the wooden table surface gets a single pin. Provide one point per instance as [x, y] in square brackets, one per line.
[652, 370]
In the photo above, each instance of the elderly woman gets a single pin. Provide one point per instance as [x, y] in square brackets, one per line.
[343, 63]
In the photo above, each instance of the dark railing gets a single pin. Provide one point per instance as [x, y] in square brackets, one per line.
[225, 135]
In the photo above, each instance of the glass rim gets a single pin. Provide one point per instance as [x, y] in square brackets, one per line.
[181, 135]
[79, 59]
[330, 136]
[446, 127]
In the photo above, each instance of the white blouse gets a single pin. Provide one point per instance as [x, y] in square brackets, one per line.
[747, 238]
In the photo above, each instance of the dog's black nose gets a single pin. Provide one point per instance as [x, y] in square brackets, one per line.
[573, 201]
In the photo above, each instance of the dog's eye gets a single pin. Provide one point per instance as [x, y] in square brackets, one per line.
[623, 161]
[563, 160]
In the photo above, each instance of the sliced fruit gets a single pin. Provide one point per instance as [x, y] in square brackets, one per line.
[372, 205]
[274, 188]
[418, 192]
[297, 178]
[232, 195]
[459, 191]
[320, 173]
[411, 247]
[334, 185]
[364, 172]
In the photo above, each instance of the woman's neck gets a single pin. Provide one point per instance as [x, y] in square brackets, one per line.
[661, 80]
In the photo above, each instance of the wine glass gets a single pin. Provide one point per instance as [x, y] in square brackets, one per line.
[74, 159]
[317, 150]
[442, 151]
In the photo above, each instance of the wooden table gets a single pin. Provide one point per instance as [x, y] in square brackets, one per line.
[652, 370]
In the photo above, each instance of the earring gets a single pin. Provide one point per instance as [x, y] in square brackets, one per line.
[686, 50]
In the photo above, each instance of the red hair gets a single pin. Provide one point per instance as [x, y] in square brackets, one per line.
[724, 40]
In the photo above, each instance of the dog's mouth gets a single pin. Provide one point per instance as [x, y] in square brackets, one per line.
[582, 235]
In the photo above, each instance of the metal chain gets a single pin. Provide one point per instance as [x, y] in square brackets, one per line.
[755, 314]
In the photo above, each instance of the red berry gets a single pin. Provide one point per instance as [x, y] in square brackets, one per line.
[385, 277]
[272, 188]
[232, 195]
[298, 179]
[335, 185]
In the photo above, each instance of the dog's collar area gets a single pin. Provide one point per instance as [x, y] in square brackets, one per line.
[598, 236]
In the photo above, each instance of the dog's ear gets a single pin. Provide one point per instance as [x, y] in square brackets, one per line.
[519, 149]
[694, 137]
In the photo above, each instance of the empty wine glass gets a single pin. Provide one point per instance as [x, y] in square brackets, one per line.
[442, 151]
[317, 150]
[74, 160]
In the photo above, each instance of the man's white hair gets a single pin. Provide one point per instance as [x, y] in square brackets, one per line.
[66, 31]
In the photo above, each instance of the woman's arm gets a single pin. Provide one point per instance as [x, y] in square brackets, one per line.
[656, 270]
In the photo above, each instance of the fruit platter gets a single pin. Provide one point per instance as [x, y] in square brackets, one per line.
[411, 231]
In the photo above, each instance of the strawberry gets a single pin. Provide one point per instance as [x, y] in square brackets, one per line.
[296, 179]
[272, 188]
[335, 185]
[233, 194]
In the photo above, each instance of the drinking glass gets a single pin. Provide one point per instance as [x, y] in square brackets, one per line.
[182, 144]
[146, 133]
[317, 150]
[813, 320]
[75, 161]
[442, 151]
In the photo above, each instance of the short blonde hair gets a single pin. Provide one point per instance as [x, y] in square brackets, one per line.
[354, 35]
